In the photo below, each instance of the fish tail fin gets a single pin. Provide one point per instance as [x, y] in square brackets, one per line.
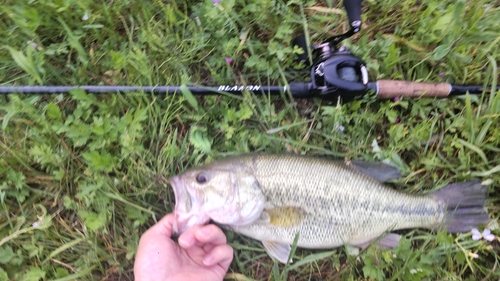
[465, 206]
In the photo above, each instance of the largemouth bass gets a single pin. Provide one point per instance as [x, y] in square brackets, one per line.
[272, 198]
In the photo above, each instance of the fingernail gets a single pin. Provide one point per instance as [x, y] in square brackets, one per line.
[186, 240]
[208, 260]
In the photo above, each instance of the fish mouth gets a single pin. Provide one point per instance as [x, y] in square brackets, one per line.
[187, 209]
[180, 193]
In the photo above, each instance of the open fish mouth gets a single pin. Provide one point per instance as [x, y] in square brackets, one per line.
[187, 209]
[180, 193]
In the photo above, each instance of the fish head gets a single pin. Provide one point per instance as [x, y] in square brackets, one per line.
[228, 195]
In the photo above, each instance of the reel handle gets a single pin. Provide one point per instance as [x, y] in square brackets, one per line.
[353, 8]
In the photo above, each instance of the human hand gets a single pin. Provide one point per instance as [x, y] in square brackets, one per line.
[202, 253]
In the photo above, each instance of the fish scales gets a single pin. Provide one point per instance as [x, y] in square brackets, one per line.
[341, 205]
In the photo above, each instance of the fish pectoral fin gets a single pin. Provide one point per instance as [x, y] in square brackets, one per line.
[389, 241]
[279, 251]
[284, 216]
[380, 171]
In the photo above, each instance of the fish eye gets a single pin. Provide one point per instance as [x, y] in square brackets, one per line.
[201, 178]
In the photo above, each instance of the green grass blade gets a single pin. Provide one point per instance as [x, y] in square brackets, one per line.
[312, 258]
[63, 248]
[475, 149]
[189, 96]
[76, 276]
[25, 63]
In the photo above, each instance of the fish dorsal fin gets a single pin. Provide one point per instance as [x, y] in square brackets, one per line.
[380, 171]
[279, 251]
[284, 216]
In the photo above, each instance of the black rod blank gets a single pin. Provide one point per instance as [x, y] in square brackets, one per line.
[297, 89]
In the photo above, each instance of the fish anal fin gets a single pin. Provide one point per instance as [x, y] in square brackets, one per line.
[279, 251]
[389, 241]
[285, 216]
[380, 171]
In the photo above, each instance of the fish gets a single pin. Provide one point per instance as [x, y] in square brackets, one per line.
[327, 203]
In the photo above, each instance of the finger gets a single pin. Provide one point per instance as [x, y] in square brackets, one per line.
[221, 254]
[200, 235]
[187, 239]
[208, 248]
[210, 234]
[163, 227]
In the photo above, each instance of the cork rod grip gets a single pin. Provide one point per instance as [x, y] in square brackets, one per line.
[387, 89]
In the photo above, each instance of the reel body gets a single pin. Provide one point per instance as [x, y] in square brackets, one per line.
[339, 74]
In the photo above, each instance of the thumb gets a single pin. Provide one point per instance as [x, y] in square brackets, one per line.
[163, 227]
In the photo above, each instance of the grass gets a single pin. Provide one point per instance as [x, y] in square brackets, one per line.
[80, 174]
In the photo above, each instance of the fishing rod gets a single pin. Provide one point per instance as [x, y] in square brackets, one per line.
[336, 73]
